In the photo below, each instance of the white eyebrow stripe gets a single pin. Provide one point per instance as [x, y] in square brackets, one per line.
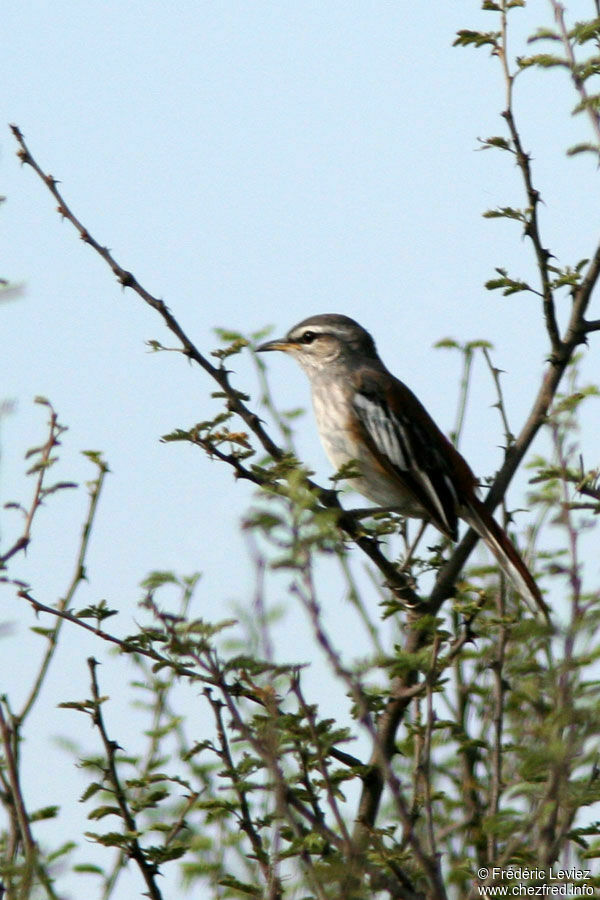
[298, 332]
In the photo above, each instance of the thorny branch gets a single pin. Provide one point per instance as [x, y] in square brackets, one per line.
[395, 579]
[148, 870]
[23, 835]
[246, 823]
[586, 100]
[65, 602]
[41, 467]
[562, 348]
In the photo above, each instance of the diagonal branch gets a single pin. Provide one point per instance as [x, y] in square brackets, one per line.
[396, 580]
[562, 351]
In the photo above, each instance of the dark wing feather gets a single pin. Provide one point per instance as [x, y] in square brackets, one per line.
[406, 440]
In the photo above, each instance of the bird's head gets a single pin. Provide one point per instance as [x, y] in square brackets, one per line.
[319, 341]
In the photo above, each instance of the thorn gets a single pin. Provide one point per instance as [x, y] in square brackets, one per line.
[126, 278]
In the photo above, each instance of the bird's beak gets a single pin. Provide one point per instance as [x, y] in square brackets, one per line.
[279, 344]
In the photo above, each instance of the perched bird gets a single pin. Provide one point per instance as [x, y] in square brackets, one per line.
[367, 416]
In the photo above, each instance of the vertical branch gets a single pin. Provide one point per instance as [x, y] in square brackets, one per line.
[25, 838]
[286, 800]
[65, 602]
[323, 766]
[148, 870]
[586, 101]
[532, 229]
[500, 405]
[41, 467]
[427, 772]
[559, 816]
[463, 394]
[469, 754]
[246, 823]
[498, 727]
[381, 757]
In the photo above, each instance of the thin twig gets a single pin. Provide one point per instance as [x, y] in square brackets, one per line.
[381, 755]
[532, 228]
[500, 405]
[396, 580]
[323, 766]
[246, 823]
[148, 870]
[8, 736]
[42, 467]
[496, 784]
[586, 101]
[286, 800]
[463, 394]
[66, 601]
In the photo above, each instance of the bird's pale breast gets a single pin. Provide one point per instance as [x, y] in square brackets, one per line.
[343, 443]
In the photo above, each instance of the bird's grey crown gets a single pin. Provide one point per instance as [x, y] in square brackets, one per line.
[342, 327]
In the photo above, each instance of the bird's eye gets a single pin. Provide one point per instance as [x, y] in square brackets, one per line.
[308, 337]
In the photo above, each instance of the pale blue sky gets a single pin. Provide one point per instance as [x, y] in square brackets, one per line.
[251, 163]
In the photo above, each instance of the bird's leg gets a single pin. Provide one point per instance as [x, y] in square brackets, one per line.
[412, 546]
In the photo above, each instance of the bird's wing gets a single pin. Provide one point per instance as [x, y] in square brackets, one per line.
[407, 442]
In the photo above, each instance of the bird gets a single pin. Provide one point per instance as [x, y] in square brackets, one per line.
[400, 459]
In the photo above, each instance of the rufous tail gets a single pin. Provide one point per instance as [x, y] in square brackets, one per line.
[498, 542]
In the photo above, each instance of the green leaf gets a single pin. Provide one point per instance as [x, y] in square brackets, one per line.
[112, 838]
[448, 344]
[542, 61]
[236, 347]
[88, 869]
[250, 889]
[99, 612]
[90, 790]
[47, 812]
[102, 811]
[507, 284]
[178, 435]
[497, 142]
[65, 848]
[160, 855]
[95, 456]
[226, 334]
[544, 34]
[582, 32]
[506, 212]
[466, 38]
[44, 632]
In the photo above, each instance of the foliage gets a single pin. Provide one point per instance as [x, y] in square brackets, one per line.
[482, 722]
